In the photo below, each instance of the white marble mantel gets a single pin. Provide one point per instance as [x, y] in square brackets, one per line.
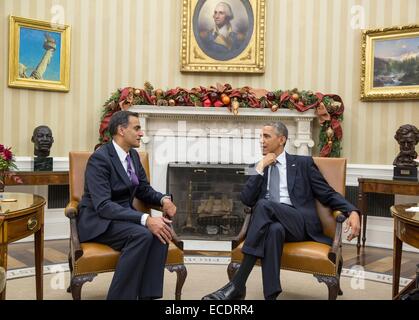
[214, 135]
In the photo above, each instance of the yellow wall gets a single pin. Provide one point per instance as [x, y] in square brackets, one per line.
[115, 43]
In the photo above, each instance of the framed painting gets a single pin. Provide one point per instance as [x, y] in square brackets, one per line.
[223, 36]
[39, 55]
[390, 63]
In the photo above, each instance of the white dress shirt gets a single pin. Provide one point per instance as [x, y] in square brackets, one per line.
[281, 164]
[122, 155]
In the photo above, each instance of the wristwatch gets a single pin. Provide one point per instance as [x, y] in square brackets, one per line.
[167, 196]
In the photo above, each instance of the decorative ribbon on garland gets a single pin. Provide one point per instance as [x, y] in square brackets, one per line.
[328, 107]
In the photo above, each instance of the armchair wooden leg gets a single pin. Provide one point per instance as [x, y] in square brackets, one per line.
[332, 284]
[70, 265]
[181, 274]
[340, 292]
[77, 283]
[232, 269]
[3, 276]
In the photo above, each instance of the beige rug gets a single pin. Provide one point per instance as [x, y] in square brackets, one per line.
[203, 279]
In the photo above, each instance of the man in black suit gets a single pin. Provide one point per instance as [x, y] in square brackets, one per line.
[282, 192]
[114, 175]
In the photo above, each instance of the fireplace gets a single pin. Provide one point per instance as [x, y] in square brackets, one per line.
[195, 142]
[207, 197]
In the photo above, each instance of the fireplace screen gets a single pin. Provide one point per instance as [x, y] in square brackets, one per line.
[207, 197]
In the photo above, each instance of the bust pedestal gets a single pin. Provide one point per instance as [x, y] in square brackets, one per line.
[42, 164]
[405, 173]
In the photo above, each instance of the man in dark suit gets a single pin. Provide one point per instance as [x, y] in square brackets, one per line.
[282, 192]
[114, 175]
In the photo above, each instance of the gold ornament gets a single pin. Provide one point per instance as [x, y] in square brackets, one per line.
[329, 134]
[159, 93]
[162, 102]
[235, 104]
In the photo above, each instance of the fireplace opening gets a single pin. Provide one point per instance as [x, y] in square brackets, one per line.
[207, 197]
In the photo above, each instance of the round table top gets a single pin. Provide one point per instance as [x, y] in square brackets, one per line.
[399, 211]
[15, 202]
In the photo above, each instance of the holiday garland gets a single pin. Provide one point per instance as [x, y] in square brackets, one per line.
[328, 107]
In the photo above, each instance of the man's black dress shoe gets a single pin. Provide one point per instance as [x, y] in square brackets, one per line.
[228, 292]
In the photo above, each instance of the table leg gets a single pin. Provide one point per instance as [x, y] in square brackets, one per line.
[364, 228]
[39, 261]
[3, 263]
[362, 205]
[397, 257]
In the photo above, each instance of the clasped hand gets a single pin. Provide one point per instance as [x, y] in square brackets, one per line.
[169, 208]
[161, 227]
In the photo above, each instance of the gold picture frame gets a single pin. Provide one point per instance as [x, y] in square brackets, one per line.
[390, 63]
[39, 55]
[209, 45]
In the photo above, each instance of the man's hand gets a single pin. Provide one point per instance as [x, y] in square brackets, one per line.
[353, 223]
[160, 227]
[169, 208]
[267, 160]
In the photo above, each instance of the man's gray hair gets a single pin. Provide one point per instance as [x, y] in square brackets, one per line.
[228, 10]
[280, 128]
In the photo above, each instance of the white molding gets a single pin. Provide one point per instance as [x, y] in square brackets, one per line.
[200, 113]
[195, 245]
[374, 171]
[26, 163]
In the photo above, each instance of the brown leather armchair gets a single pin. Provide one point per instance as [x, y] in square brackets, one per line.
[323, 261]
[88, 259]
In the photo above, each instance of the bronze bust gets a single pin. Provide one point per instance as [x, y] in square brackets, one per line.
[42, 138]
[408, 137]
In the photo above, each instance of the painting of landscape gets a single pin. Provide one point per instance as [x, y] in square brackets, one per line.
[396, 62]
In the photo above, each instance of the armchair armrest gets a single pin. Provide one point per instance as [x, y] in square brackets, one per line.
[335, 250]
[242, 233]
[71, 212]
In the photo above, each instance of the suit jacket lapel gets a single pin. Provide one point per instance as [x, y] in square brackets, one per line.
[118, 165]
[265, 181]
[291, 171]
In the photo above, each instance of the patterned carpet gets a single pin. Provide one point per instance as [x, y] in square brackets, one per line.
[296, 286]
[377, 260]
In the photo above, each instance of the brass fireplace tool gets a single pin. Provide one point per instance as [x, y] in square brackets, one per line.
[189, 227]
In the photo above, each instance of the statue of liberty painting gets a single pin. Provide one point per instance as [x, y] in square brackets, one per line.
[39, 55]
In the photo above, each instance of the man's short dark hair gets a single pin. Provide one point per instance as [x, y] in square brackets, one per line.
[280, 128]
[120, 118]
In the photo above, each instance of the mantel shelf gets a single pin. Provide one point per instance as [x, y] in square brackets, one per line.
[183, 112]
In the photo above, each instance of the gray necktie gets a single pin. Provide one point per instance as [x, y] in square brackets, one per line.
[274, 183]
